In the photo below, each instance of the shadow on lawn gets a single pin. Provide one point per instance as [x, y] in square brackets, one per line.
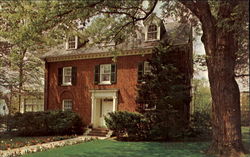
[112, 148]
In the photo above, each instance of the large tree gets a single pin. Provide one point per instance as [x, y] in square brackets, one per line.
[222, 23]
[21, 69]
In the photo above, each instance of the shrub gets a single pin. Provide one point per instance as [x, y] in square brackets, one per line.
[46, 123]
[132, 125]
[165, 125]
[245, 118]
[200, 123]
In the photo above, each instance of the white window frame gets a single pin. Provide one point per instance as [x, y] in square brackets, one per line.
[68, 43]
[157, 35]
[63, 76]
[149, 109]
[101, 73]
[63, 104]
[145, 71]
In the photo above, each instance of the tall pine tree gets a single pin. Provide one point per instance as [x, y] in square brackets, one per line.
[163, 94]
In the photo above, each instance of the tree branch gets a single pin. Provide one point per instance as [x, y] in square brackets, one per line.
[242, 75]
[134, 19]
[201, 9]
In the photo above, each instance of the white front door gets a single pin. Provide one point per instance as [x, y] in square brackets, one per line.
[105, 108]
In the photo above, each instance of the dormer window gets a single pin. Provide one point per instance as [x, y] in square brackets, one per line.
[152, 32]
[72, 42]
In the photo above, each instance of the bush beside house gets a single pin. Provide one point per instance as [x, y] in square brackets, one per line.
[46, 123]
[132, 125]
[135, 126]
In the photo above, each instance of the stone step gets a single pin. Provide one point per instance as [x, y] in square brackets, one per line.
[95, 132]
[100, 135]
[98, 132]
[101, 129]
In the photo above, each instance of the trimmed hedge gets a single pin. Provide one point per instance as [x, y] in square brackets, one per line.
[46, 123]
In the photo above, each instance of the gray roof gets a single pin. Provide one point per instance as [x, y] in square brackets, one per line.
[177, 33]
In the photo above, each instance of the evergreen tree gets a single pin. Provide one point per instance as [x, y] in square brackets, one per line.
[163, 94]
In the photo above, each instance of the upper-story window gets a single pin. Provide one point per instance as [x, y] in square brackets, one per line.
[72, 42]
[105, 74]
[152, 32]
[144, 68]
[67, 105]
[147, 68]
[67, 76]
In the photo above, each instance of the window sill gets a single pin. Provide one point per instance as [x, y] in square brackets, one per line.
[152, 40]
[150, 109]
[66, 85]
[105, 83]
[68, 49]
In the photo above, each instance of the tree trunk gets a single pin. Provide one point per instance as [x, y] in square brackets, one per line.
[20, 85]
[226, 115]
[220, 41]
[21, 78]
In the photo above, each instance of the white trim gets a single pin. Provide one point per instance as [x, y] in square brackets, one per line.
[67, 43]
[99, 55]
[76, 42]
[150, 109]
[144, 67]
[63, 79]
[105, 82]
[158, 32]
[101, 94]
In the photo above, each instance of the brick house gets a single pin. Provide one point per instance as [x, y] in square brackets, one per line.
[93, 80]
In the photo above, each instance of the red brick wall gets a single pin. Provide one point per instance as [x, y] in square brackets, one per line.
[126, 83]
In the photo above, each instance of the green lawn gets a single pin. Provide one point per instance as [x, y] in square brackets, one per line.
[108, 148]
[111, 148]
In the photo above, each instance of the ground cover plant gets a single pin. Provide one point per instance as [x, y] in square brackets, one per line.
[8, 141]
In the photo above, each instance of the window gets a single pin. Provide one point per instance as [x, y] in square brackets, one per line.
[67, 105]
[72, 42]
[148, 107]
[67, 75]
[143, 69]
[147, 68]
[105, 73]
[152, 32]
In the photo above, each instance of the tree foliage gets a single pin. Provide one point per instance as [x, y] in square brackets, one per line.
[165, 94]
[21, 69]
[201, 96]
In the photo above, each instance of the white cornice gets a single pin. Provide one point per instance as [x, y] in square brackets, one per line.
[99, 55]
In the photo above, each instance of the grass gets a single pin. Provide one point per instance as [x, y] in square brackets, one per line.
[246, 138]
[8, 141]
[112, 148]
[109, 148]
